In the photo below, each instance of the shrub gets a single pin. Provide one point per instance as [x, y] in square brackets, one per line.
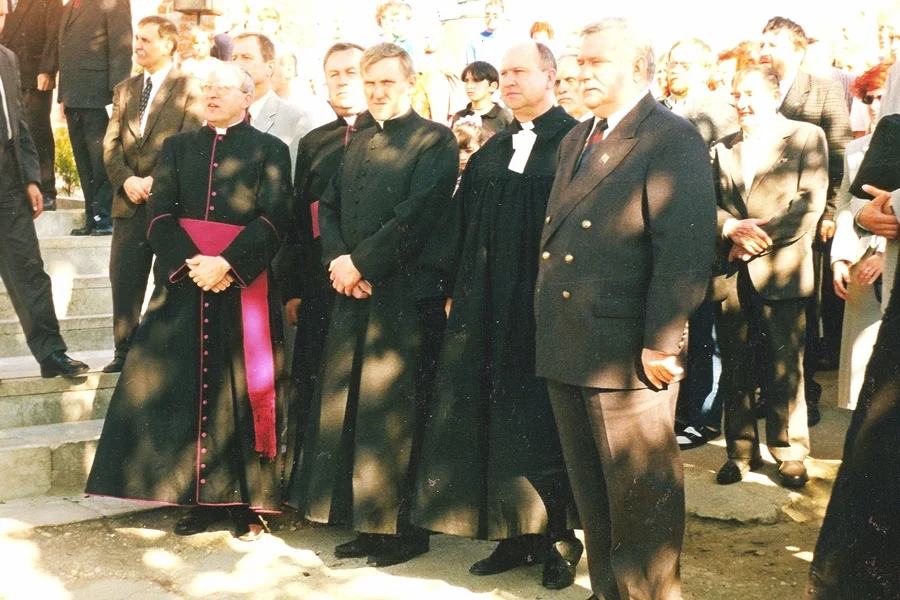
[66, 172]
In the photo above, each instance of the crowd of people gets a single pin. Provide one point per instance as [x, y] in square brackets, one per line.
[502, 319]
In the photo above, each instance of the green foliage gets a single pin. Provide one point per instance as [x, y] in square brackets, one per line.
[65, 162]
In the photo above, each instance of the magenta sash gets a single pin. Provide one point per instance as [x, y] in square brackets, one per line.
[212, 239]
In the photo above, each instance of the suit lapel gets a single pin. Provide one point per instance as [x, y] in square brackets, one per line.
[159, 102]
[72, 15]
[133, 105]
[16, 18]
[10, 85]
[267, 115]
[792, 106]
[767, 164]
[602, 161]
[735, 166]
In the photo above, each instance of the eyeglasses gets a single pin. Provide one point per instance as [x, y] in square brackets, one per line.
[679, 63]
[870, 99]
[208, 88]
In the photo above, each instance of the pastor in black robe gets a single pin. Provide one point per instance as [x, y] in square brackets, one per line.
[180, 429]
[491, 450]
[389, 207]
[319, 156]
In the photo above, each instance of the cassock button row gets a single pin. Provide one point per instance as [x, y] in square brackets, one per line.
[203, 434]
[215, 194]
[202, 466]
[545, 255]
[205, 385]
[205, 337]
[205, 370]
[206, 353]
[221, 137]
[566, 295]
[585, 224]
[215, 164]
[204, 402]
[206, 320]
[202, 481]
[569, 258]
[204, 418]
[212, 208]
[202, 450]
[206, 304]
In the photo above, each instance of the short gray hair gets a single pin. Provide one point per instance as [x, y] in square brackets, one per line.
[383, 51]
[641, 40]
[240, 74]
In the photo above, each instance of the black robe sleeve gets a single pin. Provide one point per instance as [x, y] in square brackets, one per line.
[401, 238]
[299, 234]
[330, 221]
[169, 241]
[251, 252]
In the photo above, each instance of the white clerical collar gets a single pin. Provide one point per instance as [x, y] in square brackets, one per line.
[614, 119]
[257, 106]
[224, 130]
[158, 77]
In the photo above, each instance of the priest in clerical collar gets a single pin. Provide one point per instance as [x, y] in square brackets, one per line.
[383, 225]
[196, 417]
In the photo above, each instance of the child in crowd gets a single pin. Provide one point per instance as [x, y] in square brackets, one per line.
[482, 80]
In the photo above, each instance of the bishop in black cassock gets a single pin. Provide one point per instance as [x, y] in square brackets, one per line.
[195, 418]
[492, 466]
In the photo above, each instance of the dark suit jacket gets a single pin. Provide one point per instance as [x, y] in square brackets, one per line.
[627, 249]
[789, 189]
[94, 51]
[31, 32]
[821, 102]
[713, 114]
[175, 108]
[26, 153]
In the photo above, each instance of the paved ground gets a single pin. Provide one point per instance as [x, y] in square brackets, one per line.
[751, 541]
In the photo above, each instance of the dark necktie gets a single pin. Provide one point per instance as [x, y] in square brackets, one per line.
[595, 138]
[350, 129]
[145, 98]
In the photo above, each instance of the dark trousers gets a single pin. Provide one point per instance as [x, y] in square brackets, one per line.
[701, 373]
[627, 477]
[37, 114]
[857, 551]
[87, 126]
[130, 260]
[744, 322]
[21, 266]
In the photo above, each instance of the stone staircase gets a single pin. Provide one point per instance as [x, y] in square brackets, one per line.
[49, 427]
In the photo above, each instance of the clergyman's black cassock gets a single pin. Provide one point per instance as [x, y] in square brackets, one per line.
[491, 451]
[389, 208]
[319, 156]
[179, 429]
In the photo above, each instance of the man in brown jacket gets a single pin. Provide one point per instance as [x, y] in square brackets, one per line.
[147, 109]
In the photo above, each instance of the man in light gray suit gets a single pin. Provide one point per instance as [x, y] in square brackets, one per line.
[269, 113]
[772, 184]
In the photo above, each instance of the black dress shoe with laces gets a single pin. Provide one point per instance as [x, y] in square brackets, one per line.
[363, 545]
[559, 570]
[397, 549]
[82, 231]
[59, 363]
[196, 520]
[734, 470]
[115, 365]
[511, 553]
[102, 228]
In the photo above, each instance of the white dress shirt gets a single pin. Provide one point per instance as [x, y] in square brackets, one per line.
[256, 108]
[157, 79]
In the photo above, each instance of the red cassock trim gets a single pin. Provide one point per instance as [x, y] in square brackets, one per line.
[211, 239]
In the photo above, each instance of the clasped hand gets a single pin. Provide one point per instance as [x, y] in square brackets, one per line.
[660, 368]
[748, 237]
[210, 273]
[347, 280]
[138, 188]
[878, 215]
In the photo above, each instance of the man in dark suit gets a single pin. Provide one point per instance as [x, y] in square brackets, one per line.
[94, 56]
[21, 267]
[626, 253]
[147, 109]
[819, 101]
[772, 180]
[31, 33]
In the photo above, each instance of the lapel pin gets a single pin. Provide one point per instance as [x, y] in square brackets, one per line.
[604, 158]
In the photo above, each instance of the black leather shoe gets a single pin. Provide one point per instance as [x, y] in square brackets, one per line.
[398, 549]
[82, 231]
[59, 363]
[734, 470]
[249, 525]
[115, 365]
[559, 571]
[793, 474]
[813, 394]
[49, 204]
[102, 229]
[196, 520]
[511, 553]
[364, 545]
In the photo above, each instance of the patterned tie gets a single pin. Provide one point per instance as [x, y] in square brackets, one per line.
[145, 98]
[350, 129]
[595, 138]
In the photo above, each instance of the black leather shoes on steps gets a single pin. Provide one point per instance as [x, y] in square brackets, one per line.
[397, 549]
[59, 363]
[511, 553]
[363, 545]
[196, 520]
[559, 570]
[735, 469]
[115, 365]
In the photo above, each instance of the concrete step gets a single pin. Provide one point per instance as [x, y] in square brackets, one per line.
[78, 296]
[59, 222]
[80, 333]
[31, 401]
[66, 257]
[70, 203]
[47, 459]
